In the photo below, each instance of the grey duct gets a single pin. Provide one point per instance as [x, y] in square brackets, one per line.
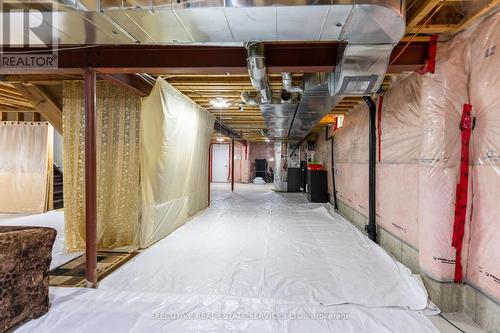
[257, 70]
[369, 27]
[287, 81]
[225, 22]
[288, 89]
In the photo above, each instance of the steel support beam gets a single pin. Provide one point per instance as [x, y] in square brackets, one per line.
[90, 178]
[190, 59]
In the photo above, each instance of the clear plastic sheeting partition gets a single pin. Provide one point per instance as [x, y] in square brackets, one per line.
[25, 167]
[117, 167]
[175, 138]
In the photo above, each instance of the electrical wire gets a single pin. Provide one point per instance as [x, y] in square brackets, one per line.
[416, 32]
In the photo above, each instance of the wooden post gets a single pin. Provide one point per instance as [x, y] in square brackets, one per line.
[90, 178]
[232, 165]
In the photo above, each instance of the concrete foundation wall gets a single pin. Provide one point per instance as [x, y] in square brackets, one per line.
[450, 297]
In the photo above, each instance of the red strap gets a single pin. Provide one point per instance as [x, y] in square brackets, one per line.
[462, 191]
[379, 122]
[430, 63]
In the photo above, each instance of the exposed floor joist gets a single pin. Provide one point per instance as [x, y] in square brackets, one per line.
[201, 73]
[43, 103]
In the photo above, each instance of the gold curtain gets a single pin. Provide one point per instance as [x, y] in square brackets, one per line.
[118, 122]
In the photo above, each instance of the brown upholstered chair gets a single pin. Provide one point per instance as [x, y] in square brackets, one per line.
[25, 255]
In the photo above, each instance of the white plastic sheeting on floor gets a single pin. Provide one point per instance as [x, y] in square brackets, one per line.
[262, 244]
[79, 310]
[53, 219]
[255, 261]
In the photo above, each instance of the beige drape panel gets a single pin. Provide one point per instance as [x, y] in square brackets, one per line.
[175, 137]
[25, 167]
[118, 117]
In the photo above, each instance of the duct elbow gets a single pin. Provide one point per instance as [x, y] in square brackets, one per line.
[256, 63]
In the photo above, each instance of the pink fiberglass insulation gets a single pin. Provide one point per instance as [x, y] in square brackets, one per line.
[443, 96]
[351, 160]
[397, 171]
[483, 268]
[420, 159]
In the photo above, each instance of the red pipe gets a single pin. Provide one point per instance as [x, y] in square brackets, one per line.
[90, 178]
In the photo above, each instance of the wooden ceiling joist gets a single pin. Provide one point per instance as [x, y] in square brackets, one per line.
[135, 83]
[420, 14]
[43, 103]
[201, 72]
[473, 18]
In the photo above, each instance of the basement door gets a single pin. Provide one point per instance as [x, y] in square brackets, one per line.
[220, 163]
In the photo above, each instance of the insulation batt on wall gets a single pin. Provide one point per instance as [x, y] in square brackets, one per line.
[443, 95]
[421, 145]
[483, 268]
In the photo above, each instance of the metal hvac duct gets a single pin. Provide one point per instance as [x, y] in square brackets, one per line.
[257, 70]
[225, 22]
[370, 29]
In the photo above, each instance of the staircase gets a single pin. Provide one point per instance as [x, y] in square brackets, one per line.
[58, 188]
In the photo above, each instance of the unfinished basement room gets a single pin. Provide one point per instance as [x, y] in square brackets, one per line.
[234, 166]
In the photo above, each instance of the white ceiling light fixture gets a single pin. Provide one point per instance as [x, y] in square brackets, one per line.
[220, 139]
[219, 102]
[267, 140]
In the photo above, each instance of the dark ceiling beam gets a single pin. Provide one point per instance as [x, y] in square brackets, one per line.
[189, 59]
[135, 83]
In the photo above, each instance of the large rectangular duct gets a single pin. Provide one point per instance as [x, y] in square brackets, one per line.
[221, 21]
[370, 29]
